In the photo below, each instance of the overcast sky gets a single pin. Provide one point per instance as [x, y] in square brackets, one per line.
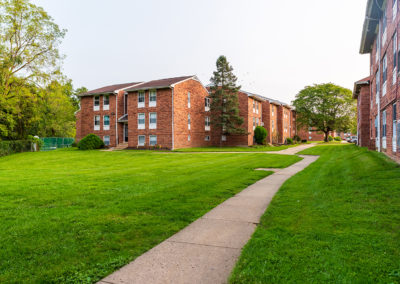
[275, 47]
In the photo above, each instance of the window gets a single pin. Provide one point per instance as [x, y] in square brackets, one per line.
[394, 127]
[272, 122]
[223, 137]
[376, 126]
[394, 10]
[141, 121]
[207, 123]
[141, 140]
[272, 109]
[141, 97]
[377, 81]
[309, 138]
[394, 77]
[377, 50]
[153, 98]
[106, 102]
[257, 121]
[394, 116]
[207, 104]
[188, 99]
[189, 121]
[106, 140]
[254, 106]
[96, 104]
[106, 122]
[97, 122]
[384, 75]
[384, 25]
[384, 123]
[207, 138]
[153, 140]
[254, 123]
[125, 103]
[188, 137]
[153, 120]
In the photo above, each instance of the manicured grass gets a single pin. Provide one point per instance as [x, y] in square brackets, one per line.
[338, 221]
[237, 149]
[76, 216]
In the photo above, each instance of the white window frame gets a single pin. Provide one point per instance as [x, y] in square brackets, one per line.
[394, 75]
[254, 123]
[189, 121]
[207, 104]
[106, 127]
[144, 140]
[207, 138]
[106, 140]
[394, 10]
[96, 127]
[207, 123]
[384, 129]
[257, 107]
[272, 111]
[152, 95]
[96, 99]
[141, 94]
[106, 106]
[150, 142]
[189, 137]
[384, 66]
[142, 125]
[223, 138]
[188, 98]
[154, 124]
[254, 106]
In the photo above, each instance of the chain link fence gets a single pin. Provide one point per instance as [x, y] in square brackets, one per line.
[52, 143]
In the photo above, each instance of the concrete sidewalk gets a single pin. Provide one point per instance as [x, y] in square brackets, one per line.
[206, 251]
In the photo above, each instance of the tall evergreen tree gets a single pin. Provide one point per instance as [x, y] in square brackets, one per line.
[224, 100]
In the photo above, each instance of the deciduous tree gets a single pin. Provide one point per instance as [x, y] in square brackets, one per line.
[324, 107]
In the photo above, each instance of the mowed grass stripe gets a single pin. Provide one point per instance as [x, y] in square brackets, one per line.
[74, 216]
[337, 221]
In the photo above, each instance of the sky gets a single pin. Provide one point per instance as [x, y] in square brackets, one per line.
[275, 47]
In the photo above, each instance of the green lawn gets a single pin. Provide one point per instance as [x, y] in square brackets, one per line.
[338, 221]
[237, 149]
[76, 216]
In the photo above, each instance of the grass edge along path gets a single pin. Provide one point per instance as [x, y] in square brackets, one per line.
[336, 221]
[76, 216]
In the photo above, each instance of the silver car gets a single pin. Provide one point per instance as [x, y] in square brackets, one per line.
[353, 139]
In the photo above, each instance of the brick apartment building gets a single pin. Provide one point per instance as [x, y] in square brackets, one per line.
[174, 113]
[378, 94]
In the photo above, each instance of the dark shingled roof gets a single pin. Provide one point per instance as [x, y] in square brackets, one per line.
[108, 89]
[158, 84]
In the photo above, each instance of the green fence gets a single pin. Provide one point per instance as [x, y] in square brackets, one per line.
[52, 143]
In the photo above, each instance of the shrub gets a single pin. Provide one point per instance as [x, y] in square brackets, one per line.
[330, 138]
[297, 138]
[90, 142]
[289, 141]
[304, 141]
[260, 133]
[337, 138]
[15, 146]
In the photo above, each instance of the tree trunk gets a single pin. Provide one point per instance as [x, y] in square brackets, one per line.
[326, 136]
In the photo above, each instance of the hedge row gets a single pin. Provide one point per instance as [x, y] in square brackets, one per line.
[16, 146]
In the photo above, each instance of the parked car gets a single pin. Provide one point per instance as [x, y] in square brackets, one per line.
[348, 139]
[353, 139]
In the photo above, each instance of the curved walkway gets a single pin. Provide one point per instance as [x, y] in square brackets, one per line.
[206, 251]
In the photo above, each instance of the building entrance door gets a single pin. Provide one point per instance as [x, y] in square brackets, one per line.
[126, 132]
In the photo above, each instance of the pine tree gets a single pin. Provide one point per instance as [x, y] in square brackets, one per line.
[224, 100]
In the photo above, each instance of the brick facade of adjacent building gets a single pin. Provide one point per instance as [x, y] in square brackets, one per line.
[380, 39]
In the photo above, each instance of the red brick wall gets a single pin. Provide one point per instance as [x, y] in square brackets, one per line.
[286, 121]
[253, 114]
[266, 118]
[363, 119]
[393, 93]
[197, 113]
[85, 118]
[164, 119]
